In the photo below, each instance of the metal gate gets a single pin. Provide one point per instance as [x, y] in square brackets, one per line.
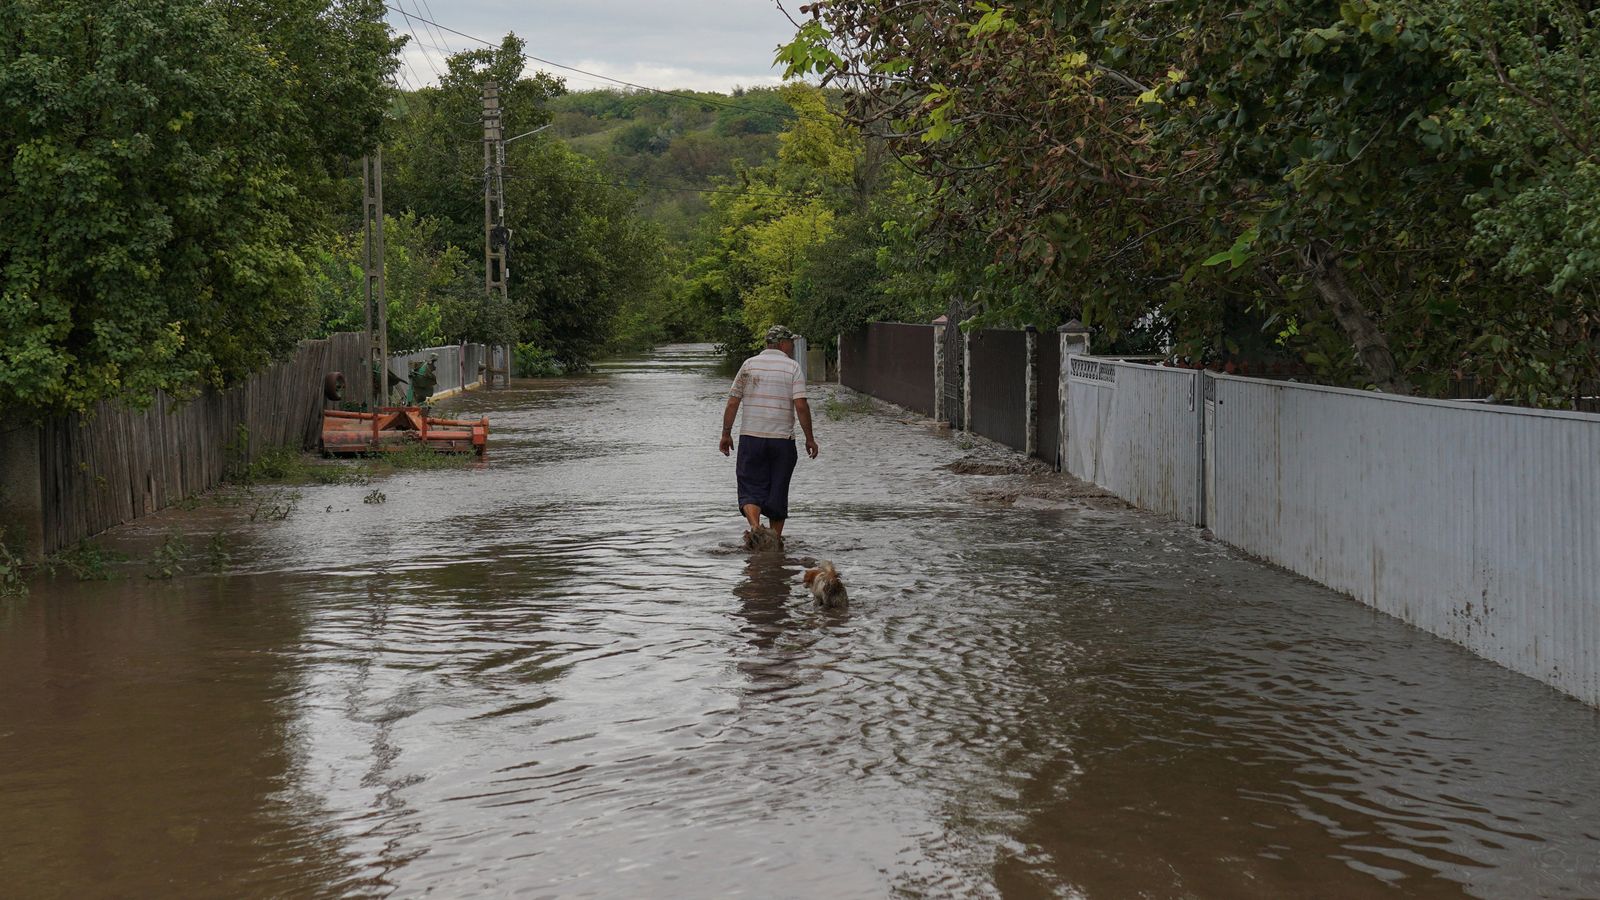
[954, 373]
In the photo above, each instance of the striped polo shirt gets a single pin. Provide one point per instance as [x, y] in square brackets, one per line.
[767, 385]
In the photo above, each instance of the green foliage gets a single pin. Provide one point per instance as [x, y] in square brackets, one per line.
[13, 574]
[166, 165]
[417, 456]
[579, 251]
[1412, 184]
[275, 464]
[85, 562]
[801, 246]
[537, 362]
[218, 557]
[434, 288]
[168, 559]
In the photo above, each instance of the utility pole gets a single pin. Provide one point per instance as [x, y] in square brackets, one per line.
[377, 304]
[496, 236]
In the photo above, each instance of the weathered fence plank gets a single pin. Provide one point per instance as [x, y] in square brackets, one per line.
[116, 464]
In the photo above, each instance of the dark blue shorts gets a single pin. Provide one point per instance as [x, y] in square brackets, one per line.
[764, 469]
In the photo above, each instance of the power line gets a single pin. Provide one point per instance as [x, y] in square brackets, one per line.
[411, 27]
[659, 187]
[790, 114]
[437, 34]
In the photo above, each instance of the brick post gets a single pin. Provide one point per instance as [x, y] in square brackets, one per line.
[940, 414]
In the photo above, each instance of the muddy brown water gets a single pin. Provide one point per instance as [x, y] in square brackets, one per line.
[555, 675]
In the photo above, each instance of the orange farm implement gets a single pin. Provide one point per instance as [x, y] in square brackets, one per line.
[398, 428]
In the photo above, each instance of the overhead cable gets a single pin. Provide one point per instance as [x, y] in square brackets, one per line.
[787, 114]
[639, 186]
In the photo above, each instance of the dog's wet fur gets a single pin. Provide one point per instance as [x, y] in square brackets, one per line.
[762, 539]
[827, 586]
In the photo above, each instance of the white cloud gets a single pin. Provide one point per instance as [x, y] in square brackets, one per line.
[667, 44]
[659, 76]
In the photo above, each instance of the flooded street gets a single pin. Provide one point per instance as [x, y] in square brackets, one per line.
[557, 675]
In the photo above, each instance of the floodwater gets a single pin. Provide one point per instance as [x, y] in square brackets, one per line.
[555, 675]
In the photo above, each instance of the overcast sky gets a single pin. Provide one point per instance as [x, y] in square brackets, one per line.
[687, 44]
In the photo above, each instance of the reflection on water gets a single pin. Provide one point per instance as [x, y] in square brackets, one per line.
[557, 674]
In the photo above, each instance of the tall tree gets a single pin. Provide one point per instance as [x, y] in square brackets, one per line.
[1336, 174]
[162, 163]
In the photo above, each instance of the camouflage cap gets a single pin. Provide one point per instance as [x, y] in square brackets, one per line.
[778, 333]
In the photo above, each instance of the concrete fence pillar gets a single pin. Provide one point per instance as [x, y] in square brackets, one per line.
[1074, 341]
[940, 413]
[1030, 392]
[966, 381]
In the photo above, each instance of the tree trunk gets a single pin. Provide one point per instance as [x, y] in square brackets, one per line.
[1372, 346]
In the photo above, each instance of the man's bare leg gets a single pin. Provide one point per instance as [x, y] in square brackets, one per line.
[777, 527]
[752, 514]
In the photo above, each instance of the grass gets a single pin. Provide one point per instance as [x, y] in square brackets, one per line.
[420, 457]
[285, 465]
[836, 409]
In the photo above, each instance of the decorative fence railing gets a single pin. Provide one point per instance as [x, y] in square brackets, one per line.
[1135, 431]
[1479, 523]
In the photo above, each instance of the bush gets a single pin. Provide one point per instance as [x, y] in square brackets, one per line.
[537, 362]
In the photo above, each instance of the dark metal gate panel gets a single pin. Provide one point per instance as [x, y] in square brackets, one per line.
[854, 363]
[999, 375]
[892, 362]
[1049, 398]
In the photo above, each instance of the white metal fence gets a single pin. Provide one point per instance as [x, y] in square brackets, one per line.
[460, 365]
[1135, 430]
[1480, 524]
[1477, 523]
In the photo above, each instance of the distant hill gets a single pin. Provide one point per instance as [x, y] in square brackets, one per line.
[669, 146]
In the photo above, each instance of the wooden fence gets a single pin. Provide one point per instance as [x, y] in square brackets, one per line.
[114, 465]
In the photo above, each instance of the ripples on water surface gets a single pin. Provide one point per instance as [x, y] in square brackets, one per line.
[555, 676]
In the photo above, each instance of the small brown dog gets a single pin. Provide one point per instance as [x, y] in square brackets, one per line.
[827, 586]
[762, 539]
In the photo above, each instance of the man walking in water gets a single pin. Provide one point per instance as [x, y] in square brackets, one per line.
[772, 390]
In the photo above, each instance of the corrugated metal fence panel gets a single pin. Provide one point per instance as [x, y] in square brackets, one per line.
[891, 361]
[1135, 431]
[1480, 524]
[1049, 399]
[458, 365]
[999, 361]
